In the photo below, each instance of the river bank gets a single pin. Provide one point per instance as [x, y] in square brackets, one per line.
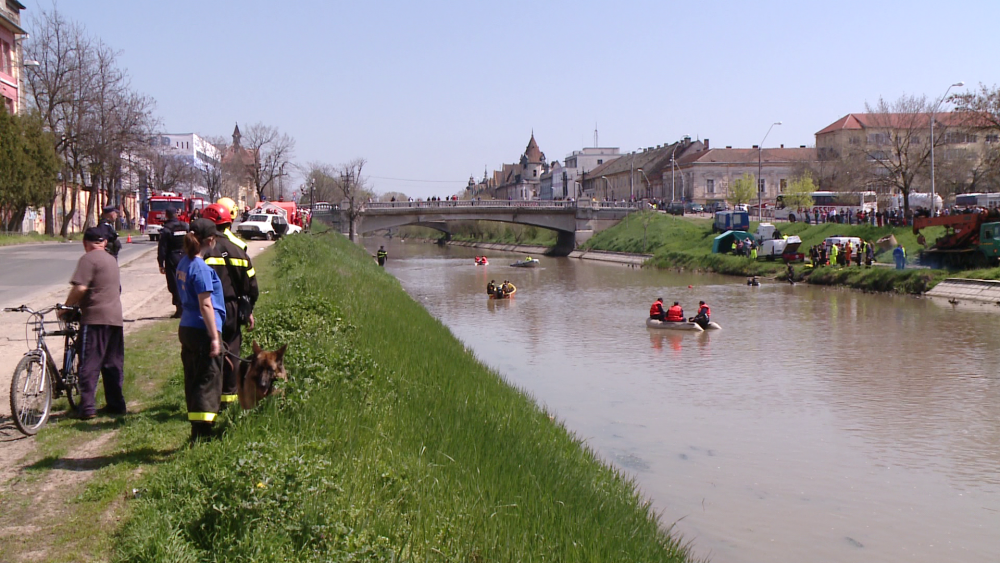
[391, 442]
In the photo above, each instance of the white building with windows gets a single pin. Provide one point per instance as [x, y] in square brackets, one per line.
[562, 182]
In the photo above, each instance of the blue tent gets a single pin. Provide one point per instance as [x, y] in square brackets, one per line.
[724, 243]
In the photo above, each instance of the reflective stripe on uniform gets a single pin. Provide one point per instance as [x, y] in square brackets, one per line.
[251, 273]
[235, 239]
[202, 416]
[215, 261]
[238, 262]
[229, 398]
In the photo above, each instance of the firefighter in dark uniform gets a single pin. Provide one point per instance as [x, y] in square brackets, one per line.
[230, 260]
[109, 216]
[381, 255]
[169, 251]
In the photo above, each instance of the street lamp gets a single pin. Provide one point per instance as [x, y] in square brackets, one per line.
[760, 148]
[607, 186]
[648, 185]
[933, 111]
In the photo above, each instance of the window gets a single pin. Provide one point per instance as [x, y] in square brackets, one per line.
[958, 137]
[782, 185]
[6, 63]
[878, 139]
[992, 138]
[600, 161]
[534, 173]
[915, 140]
[855, 140]
[762, 185]
[710, 186]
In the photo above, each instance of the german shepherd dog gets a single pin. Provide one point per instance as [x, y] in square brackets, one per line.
[256, 379]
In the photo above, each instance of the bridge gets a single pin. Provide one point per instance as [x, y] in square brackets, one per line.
[574, 221]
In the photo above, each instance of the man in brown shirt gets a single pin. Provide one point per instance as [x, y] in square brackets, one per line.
[97, 290]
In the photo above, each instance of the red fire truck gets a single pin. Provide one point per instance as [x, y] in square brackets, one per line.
[158, 205]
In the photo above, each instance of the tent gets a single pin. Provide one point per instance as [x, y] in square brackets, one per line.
[724, 243]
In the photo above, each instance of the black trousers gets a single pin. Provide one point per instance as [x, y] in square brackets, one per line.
[202, 375]
[102, 353]
[171, 273]
[233, 338]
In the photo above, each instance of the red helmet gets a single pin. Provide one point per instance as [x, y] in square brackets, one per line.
[218, 214]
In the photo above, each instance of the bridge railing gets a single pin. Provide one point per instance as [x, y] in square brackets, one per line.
[500, 204]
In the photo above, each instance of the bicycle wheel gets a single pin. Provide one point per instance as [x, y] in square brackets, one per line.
[30, 395]
[69, 378]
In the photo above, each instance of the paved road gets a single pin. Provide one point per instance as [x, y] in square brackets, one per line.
[29, 268]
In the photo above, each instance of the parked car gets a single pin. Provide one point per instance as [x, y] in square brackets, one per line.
[716, 206]
[675, 208]
[266, 225]
[694, 207]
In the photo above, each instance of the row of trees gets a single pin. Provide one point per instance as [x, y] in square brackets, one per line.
[28, 167]
[85, 100]
[104, 133]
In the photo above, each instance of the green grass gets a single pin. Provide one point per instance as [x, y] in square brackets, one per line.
[391, 443]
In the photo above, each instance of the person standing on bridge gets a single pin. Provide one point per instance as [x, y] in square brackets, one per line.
[381, 256]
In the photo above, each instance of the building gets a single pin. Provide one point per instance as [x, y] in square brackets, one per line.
[705, 176]
[11, 60]
[640, 174]
[562, 181]
[519, 181]
[237, 162]
[856, 148]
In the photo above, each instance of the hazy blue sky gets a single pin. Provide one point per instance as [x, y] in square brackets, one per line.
[437, 90]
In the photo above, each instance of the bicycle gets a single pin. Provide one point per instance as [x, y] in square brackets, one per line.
[37, 381]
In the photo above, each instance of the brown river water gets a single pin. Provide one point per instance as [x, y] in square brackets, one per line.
[817, 425]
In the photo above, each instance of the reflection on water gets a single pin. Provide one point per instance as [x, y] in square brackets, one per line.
[818, 425]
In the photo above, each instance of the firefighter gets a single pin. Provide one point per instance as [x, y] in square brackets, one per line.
[169, 251]
[109, 216]
[239, 287]
[381, 256]
[675, 314]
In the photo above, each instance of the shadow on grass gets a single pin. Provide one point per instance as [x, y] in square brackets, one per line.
[141, 456]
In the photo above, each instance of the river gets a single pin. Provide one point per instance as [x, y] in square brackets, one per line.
[819, 425]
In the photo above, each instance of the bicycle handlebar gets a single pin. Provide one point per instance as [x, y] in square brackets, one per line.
[26, 309]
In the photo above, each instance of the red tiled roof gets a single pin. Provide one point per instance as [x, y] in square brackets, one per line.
[745, 156]
[861, 121]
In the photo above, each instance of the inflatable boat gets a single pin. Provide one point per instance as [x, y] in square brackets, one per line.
[482, 261]
[680, 325]
[526, 263]
[513, 290]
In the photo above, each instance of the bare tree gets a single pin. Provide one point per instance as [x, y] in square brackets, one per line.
[898, 143]
[980, 112]
[86, 101]
[272, 152]
[58, 88]
[344, 185]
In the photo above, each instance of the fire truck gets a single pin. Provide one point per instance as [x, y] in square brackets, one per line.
[160, 202]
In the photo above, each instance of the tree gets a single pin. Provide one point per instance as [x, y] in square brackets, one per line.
[28, 167]
[898, 143]
[85, 100]
[388, 196]
[798, 193]
[980, 112]
[272, 152]
[743, 190]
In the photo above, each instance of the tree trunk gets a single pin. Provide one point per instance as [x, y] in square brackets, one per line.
[50, 217]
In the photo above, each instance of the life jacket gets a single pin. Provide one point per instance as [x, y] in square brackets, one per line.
[656, 309]
[704, 310]
[675, 313]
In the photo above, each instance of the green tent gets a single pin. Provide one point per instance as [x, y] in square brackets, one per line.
[725, 242]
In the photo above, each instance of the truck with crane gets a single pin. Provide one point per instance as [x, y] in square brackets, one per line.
[970, 240]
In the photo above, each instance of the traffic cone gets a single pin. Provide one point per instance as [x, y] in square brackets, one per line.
[129, 239]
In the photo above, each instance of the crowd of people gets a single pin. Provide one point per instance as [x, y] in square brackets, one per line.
[213, 288]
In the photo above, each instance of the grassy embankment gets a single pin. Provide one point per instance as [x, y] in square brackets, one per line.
[686, 242]
[392, 442]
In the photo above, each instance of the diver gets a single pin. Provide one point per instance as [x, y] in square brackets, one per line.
[491, 287]
[752, 281]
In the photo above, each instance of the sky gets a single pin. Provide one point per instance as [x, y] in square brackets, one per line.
[432, 92]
